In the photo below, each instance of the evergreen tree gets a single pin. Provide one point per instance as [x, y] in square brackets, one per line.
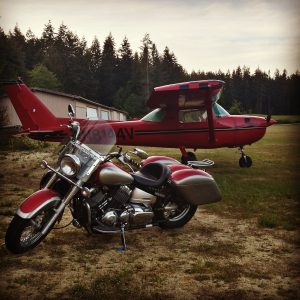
[155, 68]
[145, 62]
[93, 56]
[33, 50]
[12, 56]
[125, 63]
[108, 71]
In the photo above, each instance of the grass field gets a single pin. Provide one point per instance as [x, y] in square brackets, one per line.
[244, 247]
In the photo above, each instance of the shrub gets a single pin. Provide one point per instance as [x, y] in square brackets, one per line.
[23, 143]
[268, 221]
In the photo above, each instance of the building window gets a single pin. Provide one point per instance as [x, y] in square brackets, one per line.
[80, 112]
[104, 115]
[116, 116]
[91, 113]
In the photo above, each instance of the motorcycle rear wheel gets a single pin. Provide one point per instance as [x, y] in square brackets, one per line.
[183, 215]
[23, 235]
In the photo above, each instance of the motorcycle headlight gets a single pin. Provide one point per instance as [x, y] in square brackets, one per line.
[70, 165]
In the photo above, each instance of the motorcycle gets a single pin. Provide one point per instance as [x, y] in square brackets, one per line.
[105, 198]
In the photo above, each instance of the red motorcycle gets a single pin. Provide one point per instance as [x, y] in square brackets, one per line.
[104, 198]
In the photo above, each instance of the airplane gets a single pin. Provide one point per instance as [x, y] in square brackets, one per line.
[185, 115]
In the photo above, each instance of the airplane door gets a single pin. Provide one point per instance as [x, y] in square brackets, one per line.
[193, 124]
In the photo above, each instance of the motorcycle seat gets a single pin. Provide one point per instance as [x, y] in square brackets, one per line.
[152, 175]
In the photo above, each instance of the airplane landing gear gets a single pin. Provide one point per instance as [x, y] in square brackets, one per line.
[187, 156]
[245, 160]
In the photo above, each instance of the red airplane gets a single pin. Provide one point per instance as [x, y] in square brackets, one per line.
[185, 115]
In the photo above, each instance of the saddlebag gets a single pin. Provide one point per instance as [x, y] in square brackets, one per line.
[195, 186]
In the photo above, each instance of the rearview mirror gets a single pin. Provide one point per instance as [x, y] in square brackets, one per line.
[140, 153]
[71, 111]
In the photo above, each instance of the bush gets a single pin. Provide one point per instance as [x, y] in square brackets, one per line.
[268, 221]
[23, 143]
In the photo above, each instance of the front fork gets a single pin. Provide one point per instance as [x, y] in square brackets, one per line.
[63, 204]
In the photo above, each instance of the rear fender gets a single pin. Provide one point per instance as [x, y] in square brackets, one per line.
[39, 200]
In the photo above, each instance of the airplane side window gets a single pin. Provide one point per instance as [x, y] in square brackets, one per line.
[156, 115]
[192, 115]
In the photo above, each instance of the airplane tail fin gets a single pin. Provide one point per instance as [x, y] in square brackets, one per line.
[33, 114]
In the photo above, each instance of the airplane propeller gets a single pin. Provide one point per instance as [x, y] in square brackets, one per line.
[268, 118]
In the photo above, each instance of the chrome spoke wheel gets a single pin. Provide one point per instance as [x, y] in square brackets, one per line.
[32, 231]
[174, 212]
[177, 215]
[25, 234]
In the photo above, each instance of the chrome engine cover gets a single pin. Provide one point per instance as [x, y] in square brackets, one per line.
[110, 218]
[136, 215]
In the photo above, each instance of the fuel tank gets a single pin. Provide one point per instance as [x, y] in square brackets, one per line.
[110, 174]
[196, 186]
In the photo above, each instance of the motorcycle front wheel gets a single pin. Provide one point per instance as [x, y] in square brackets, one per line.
[179, 217]
[24, 234]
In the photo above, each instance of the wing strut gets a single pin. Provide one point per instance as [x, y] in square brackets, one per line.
[208, 104]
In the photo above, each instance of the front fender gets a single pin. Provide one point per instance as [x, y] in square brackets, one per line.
[37, 201]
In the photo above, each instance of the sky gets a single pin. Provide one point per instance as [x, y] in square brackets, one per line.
[204, 35]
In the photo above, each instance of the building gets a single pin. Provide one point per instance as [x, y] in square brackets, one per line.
[58, 102]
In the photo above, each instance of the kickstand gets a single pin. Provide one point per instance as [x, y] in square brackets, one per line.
[123, 240]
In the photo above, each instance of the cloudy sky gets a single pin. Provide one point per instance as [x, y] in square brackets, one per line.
[204, 35]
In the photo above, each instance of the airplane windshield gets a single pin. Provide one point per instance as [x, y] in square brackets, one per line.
[156, 115]
[219, 111]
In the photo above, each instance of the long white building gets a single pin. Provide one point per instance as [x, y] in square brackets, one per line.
[58, 102]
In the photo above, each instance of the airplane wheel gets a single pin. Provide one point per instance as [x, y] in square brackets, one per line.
[190, 156]
[245, 161]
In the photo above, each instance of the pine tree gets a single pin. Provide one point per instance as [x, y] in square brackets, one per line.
[108, 71]
[124, 64]
[33, 50]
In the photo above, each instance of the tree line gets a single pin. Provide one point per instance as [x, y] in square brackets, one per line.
[120, 77]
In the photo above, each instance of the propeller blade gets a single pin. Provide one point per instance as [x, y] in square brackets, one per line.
[268, 118]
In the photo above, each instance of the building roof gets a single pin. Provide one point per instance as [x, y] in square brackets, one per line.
[36, 89]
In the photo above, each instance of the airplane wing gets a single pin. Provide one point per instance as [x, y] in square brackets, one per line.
[188, 95]
[193, 94]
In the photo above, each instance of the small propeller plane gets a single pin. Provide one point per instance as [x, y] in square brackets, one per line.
[185, 115]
